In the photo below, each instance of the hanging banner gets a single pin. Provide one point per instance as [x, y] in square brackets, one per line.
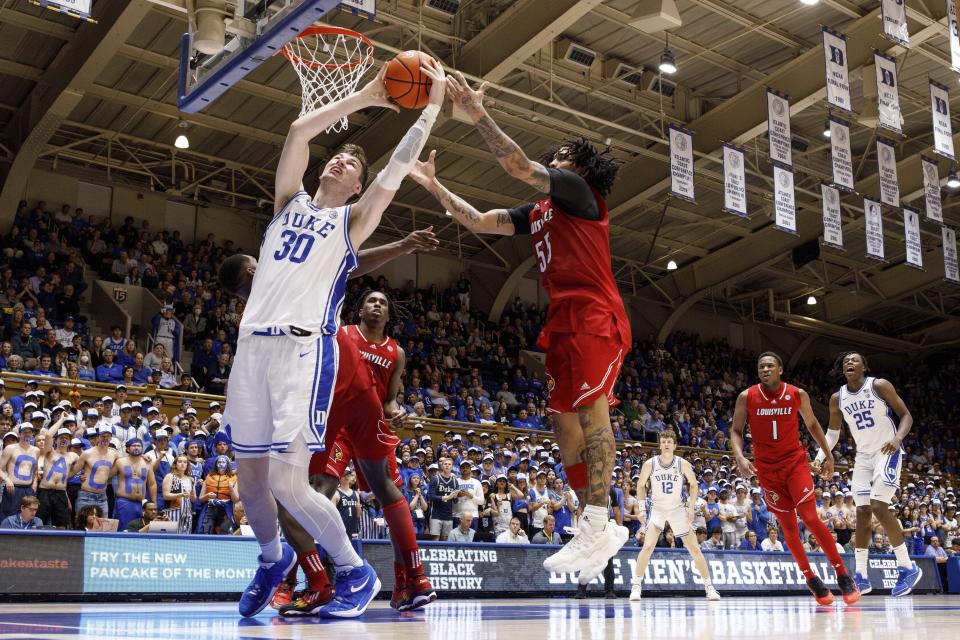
[895, 21]
[951, 269]
[873, 223]
[911, 233]
[940, 110]
[681, 163]
[734, 181]
[832, 224]
[837, 76]
[887, 168]
[953, 35]
[783, 204]
[931, 189]
[888, 96]
[778, 127]
[840, 154]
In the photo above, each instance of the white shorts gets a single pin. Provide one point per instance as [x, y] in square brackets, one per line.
[677, 517]
[875, 477]
[280, 388]
[440, 527]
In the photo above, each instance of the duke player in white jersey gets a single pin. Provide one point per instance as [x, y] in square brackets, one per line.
[286, 366]
[870, 406]
[667, 474]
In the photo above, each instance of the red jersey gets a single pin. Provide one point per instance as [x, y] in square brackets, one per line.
[381, 358]
[774, 419]
[573, 255]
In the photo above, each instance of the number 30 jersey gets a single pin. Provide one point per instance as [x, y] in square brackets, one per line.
[774, 419]
[301, 278]
[869, 418]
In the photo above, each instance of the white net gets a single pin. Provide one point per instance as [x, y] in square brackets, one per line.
[329, 62]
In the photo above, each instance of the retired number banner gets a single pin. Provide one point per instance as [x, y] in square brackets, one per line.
[681, 163]
[951, 269]
[832, 223]
[888, 96]
[837, 76]
[895, 21]
[778, 127]
[734, 181]
[911, 233]
[953, 34]
[873, 223]
[887, 168]
[840, 155]
[783, 204]
[931, 189]
[940, 111]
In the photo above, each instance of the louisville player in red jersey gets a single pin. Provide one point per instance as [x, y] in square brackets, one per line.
[586, 335]
[385, 361]
[773, 409]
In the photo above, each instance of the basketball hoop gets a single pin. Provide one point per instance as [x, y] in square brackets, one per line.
[329, 62]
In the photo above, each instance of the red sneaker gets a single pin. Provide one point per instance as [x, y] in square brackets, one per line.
[283, 595]
[819, 590]
[400, 594]
[308, 603]
[420, 593]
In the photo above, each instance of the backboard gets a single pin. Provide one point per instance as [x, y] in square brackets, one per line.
[220, 48]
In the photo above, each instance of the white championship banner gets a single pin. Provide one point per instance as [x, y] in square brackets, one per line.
[888, 96]
[911, 233]
[931, 189]
[837, 77]
[778, 127]
[734, 181]
[887, 168]
[940, 111]
[873, 224]
[785, 218]
[953, 35]
[681, 163]
[951, 270]
[832, 223]
[895, 21]
[840, 156]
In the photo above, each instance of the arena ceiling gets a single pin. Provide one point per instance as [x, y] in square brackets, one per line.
[100, 101]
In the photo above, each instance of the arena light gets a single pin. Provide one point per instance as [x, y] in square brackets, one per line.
[826, 131]
[672, 265]
[953, 181]
[809, 3]
[668, 64]
[812, 300]
[182, 142]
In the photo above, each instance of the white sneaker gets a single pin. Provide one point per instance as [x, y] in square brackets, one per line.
[570, 557]
[711, 592]
[604, 546]
[635, 592]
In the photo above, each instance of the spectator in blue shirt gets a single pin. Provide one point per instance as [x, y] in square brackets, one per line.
[27, 518]
[109, 371]
[750, 542]
[759, 515]
[523, 421]
[712, 509]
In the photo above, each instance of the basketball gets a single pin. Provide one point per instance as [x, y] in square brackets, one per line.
[406, 83]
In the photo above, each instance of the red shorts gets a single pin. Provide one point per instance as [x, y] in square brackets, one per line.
[581, 367]
[786, 485]
[334, 462]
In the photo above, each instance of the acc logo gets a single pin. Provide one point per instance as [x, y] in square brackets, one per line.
[332, 215]
[337, 453]
[773, 496]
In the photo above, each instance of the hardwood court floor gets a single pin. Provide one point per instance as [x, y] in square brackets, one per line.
[793, 618]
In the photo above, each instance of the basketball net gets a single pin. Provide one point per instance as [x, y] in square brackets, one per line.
[329, 62]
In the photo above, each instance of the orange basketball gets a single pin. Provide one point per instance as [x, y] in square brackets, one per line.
[406, 83]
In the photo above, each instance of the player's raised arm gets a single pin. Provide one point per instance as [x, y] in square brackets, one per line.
[737, 426]
[366, 213]
[886, 391]
[833, 430]
[508, 153]
[296, 148]
[421, 240]
[813, 426]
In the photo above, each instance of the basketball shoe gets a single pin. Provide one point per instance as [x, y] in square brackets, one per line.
[606, 545]
[593, 544]
[636, 591]
[863, 583]
[355, 590]
[268, 577]
[284, 594]
[399, 594]
[848, 588]
[308, 603]
[418, 593]
[820, 591]
[711, 592]
[907, 580]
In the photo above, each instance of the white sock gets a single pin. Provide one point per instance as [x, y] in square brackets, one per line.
[313, 511]
[861, 555]
[903, 556]
[596, 516]
[271, 551]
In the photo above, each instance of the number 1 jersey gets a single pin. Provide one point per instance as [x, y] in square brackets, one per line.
[774, 419]
[305, 258]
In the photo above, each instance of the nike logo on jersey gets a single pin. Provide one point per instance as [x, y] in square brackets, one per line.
[306, 354]
[360, 586]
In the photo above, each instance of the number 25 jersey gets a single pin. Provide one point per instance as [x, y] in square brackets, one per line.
[774, 419]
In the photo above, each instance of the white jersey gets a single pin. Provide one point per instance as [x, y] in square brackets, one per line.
[869, 418]
[301, 278]
[666, 484]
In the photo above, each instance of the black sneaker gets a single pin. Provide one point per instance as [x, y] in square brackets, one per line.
[820, 591]
[610, 595]
[848, 588]
[581, 592]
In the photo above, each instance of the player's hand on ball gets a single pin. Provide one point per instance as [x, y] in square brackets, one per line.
[424, 173]
[891, 447]
[438, 87]
[375, 92]
[463, 96]
[421, 240]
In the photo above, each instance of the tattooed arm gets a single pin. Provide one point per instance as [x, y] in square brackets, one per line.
[496, 221]
[510, 156]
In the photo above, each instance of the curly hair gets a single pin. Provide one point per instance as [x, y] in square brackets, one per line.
[770, 354]
[395, 310]
[837, 370]
[598, 168]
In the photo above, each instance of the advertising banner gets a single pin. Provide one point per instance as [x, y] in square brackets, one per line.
[32, 563]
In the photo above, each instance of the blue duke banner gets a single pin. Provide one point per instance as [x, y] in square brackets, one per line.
[837, 76]
[888, 93]
[940, 111]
